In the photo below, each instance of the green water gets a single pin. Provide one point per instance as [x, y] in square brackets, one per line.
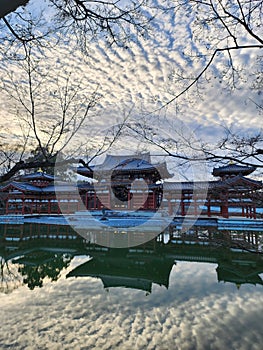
[200, 291]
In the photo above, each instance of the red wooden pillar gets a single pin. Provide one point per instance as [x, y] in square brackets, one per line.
[224, 210]
[224, 205]
[90, 199]
[153, 206]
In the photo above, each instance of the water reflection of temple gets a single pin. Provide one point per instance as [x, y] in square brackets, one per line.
[47, 252]
[132, 268]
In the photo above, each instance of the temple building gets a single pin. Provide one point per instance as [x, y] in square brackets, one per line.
[125, 182]
[35, 194]
[128, 269]
[135, 183]
[232, 194]
[132, 183]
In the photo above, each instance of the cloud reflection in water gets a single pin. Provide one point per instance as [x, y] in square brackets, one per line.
[196, 312]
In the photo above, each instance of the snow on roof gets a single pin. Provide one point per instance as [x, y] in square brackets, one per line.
[112, 161]
[239, 181]
[39, 175]
[128, 163]
[26, 187]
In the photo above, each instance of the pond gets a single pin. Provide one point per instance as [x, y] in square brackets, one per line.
[200, 289]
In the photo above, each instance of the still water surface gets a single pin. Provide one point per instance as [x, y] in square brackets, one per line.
[198, 291]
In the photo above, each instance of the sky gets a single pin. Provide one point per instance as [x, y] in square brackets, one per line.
[138, 80]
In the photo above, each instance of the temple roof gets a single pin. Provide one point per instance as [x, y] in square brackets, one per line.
[27, 187]
[113, 161]
[140, 163]
[233, 169]
[39, 175]
[237, 181]
[38, 182]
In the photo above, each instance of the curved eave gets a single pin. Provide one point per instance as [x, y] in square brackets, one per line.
[233, 170]
[239, 181]
[160, 168]
[36, 176]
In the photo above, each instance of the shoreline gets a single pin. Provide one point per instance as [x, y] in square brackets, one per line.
[124, 220]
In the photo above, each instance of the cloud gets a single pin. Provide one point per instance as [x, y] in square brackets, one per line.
[140, 76]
